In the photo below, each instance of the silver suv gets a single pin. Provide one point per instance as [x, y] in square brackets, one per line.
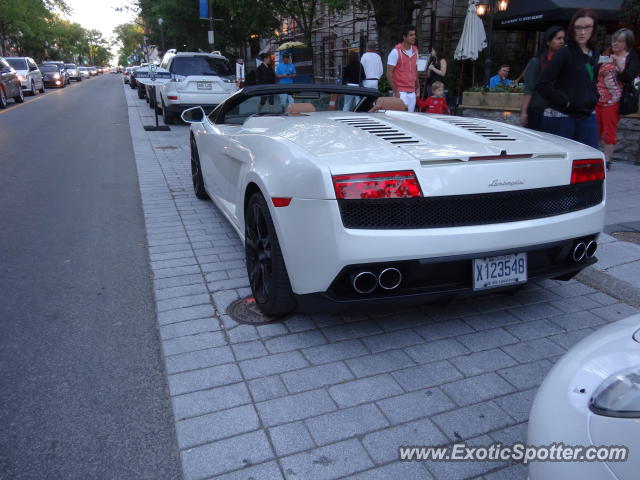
[73, 71]
[197, 79]
[28, 73]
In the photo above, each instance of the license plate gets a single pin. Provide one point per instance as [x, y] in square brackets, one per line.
[204, 86]
[492, 272]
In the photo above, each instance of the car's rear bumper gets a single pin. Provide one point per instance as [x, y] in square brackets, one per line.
[426, 280]
[317, 247]
[178, 108]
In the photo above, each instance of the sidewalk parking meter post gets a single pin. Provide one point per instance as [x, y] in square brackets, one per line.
[153, 76]
[152, 128]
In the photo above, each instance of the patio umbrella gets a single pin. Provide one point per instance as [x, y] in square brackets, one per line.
[473, 38]
[288, 45]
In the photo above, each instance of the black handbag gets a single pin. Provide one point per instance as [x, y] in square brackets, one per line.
[628, 100]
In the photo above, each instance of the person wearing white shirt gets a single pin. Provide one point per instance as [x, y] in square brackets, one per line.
[372, 64]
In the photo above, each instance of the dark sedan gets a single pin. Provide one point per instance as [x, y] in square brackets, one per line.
[9, 84]
[51, 75]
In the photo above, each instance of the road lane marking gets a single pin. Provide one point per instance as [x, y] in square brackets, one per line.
[37, 97]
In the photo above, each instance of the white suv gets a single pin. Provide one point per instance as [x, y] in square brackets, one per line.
[29, 74]
[197, 79]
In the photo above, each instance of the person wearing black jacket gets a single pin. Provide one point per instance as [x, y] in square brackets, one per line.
[568, 83]
[265, 76]
[352, 75]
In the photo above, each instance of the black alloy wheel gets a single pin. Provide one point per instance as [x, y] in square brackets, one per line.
[266, 269]
[3, 98]
[196, 173]
[20, 97]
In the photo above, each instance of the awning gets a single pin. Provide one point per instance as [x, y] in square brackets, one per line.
[540, 14]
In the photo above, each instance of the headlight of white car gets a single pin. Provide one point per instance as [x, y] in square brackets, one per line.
[22, 78]
[618, 395]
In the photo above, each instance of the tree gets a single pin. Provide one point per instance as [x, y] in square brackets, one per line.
[390, 17]
[129, 36]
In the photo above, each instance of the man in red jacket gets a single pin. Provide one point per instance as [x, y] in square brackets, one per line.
[402, 69]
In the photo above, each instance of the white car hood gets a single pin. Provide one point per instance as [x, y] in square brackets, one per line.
[356, 138]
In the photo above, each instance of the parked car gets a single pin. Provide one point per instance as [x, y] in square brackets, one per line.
[28, 73]
[126, 75]
[591, 398]
[355, 209]
[61, 69]
[203, 79]
[93, 71]
[84, 72]
[73, 71]
[9, 84]
[51, 75]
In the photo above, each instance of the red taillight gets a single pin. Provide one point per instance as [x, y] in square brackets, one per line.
[377, 185]
[587, 170]
[281, 201]
[172, 97]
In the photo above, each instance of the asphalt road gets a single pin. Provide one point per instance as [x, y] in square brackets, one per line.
[82, 386]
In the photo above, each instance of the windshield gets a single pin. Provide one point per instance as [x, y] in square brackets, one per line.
[70, 65]
[82, 69]
[200, 65]
[48, 68]
[316, 100]
[17, 63]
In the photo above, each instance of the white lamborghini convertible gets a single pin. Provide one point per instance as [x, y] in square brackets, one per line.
[378, 205]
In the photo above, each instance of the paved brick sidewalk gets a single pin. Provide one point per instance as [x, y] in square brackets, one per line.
[326, 396]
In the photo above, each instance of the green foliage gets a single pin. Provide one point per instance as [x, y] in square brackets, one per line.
[36, 28]
[630, 12]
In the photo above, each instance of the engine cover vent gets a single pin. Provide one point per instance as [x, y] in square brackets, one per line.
[379, 129]
[479, 129]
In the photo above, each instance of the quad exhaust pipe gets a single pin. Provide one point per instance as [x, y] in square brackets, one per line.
[366, 282]
[584, 250]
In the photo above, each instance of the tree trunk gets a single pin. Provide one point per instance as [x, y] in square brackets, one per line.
[390, 17]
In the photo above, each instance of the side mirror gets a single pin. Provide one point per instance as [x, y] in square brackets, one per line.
[193, 115]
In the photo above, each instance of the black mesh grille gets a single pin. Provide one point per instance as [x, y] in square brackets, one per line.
[475, 209]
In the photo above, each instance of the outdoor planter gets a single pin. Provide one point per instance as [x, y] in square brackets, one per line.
[492, 99]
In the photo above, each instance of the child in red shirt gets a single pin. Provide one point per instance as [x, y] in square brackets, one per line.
[435, 104]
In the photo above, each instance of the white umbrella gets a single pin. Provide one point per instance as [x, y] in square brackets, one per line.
[473, 38]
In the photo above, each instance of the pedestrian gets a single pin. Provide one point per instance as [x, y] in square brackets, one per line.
[501, 79]
[568, 83]
[265, 76]
[436, 70]
[352, 75]
[285, 73]
[619, 67]
[240, 73]
[402, 68]
[436, 103]
[372, 64]
[533, 104]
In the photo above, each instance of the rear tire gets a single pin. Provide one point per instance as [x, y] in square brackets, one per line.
[3, 98]
[167, 117]
[267, 271]
[196, 173]
[33, 90]
[20, 97]
[43, 89]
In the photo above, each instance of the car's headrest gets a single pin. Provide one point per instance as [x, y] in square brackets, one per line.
[298, 108]
[389, 103]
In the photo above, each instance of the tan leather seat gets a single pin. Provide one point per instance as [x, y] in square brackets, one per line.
[298, 108]
[389, 103]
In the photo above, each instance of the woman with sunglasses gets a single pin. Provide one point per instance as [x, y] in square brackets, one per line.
[568, 83]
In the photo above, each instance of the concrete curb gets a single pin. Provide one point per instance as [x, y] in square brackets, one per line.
[611, 285]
